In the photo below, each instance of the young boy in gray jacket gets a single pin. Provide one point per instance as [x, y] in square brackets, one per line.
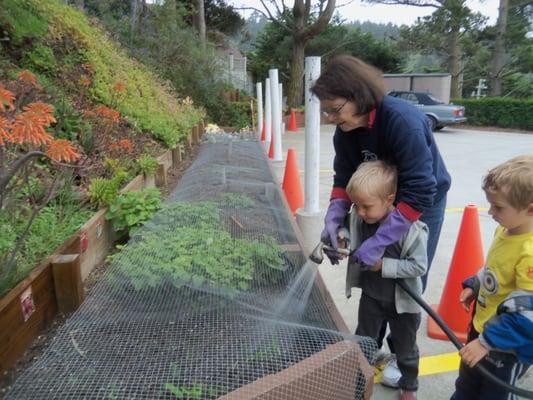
[372, 189]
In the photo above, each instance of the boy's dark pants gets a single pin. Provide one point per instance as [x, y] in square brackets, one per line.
[403, 328]
[472, 385]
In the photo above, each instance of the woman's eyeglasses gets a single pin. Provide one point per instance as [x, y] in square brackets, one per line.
[333, 113]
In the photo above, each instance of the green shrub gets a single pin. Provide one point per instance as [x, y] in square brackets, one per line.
[188, 246]
[499, 111]
[235, 114]
[237, 200]
[148, 102]
[194, 257]
[69, 122]
[132, 209]
[102, 192]
[147, 164]
[41, 58]
[21, 21]
[53, 225]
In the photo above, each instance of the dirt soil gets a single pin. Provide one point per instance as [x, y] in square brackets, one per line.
[42, 341]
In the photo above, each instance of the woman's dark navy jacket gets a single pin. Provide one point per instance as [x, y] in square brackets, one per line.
[398, 133]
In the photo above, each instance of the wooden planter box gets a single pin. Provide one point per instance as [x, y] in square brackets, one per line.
[329, 374]
[29, 308]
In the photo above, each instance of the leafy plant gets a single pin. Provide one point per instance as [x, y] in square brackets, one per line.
[52, 226]
[132, 209]
[42, 58]
[204, 215]
[118, 170]
[23, 22]
[270, 350]
[196, 391]
[102, 191]
[69, 122]
[187, 246]
[237, 200]
[147, 164]
[24, 140]
[86, 138]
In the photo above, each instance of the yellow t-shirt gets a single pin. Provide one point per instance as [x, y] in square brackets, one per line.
[509, 267]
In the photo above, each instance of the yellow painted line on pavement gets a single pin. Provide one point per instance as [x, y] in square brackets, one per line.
[461, 209]
[322, 171]
[431, 365]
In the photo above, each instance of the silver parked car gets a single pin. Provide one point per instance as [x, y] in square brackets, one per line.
[439, 113]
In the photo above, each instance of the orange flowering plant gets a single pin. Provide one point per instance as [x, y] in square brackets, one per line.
[24, 140]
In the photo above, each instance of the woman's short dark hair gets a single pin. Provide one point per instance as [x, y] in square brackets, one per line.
[350, 78]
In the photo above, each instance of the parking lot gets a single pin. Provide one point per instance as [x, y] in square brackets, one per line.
[468, 155]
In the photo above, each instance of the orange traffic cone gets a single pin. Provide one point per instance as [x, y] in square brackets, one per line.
[291, 183]
[292, 122]
[466, 261]
[263, 133]
[271, 148]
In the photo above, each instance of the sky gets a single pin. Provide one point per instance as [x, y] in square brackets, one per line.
[385, 13]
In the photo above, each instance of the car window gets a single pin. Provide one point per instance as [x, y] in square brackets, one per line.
[435, 100]
[412, 98]
[408, 96]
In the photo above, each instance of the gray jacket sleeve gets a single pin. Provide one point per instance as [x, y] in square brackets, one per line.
[413, 261]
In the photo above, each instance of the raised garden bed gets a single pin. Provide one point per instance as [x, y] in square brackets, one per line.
[165, 339]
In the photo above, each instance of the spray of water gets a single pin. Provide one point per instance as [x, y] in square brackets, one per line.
[295, 300]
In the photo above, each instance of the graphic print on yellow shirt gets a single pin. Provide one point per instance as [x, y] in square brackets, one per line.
[509, 268]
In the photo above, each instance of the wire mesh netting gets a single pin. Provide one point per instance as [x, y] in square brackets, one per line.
[211, 296]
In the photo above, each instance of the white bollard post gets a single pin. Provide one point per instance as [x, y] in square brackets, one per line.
[268, 114]
[282, 125]
[309, 218]
[259, 90]
[312, 135]
[276, 114]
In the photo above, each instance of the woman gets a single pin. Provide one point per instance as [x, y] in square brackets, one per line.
[371, 125]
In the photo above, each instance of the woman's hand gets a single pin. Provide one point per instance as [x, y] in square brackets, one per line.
[473, 352]
[466, 298]
[377, 267]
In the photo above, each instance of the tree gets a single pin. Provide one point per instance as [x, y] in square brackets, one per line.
[199, 20]
[510, 42]
[499, 49]
[451, 20]
[303, 22]
[444, 33]
[273, 47]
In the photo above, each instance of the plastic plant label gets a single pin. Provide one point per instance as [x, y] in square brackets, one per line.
[99, 229]
[26, 304]
[84, 241]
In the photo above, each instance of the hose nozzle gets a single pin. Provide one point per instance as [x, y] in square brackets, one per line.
[317, 255]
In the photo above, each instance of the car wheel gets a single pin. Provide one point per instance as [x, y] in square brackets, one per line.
[438, 128]
[432, 123]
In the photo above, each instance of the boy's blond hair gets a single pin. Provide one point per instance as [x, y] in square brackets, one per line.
[514, 179]
[375, 178]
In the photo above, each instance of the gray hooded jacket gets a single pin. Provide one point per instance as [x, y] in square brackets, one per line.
[412, 264]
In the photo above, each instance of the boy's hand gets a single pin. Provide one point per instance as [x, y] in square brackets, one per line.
[466, 298]
[377, 267]
[473, 352]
